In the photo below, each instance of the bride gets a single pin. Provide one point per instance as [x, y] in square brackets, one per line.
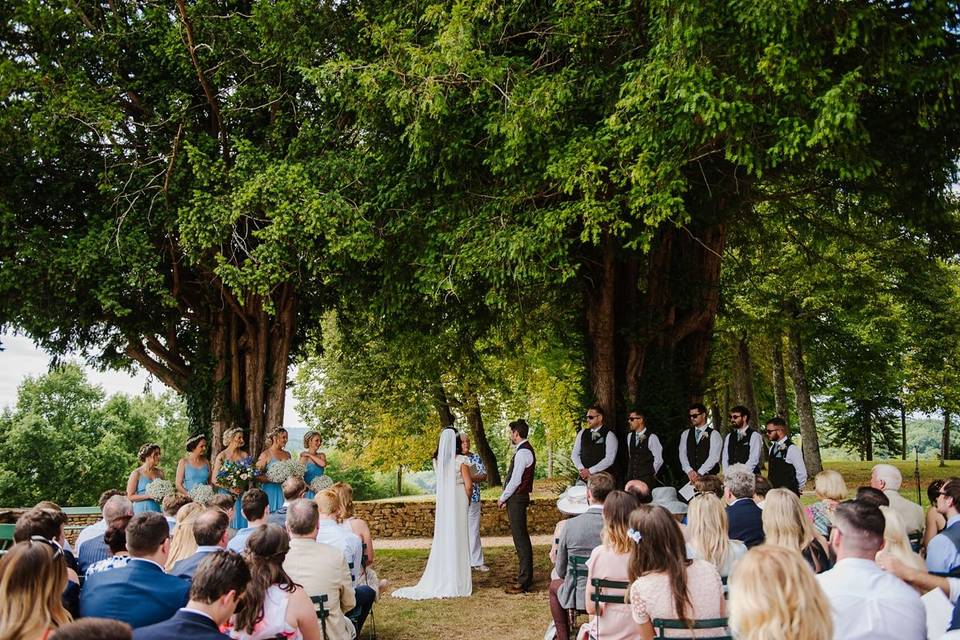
[448, 569]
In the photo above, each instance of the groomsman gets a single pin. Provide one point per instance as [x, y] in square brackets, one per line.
[595, 448]
[787, 469]
[743, 444]
[700, 445]
[644, 452]
[516, 498]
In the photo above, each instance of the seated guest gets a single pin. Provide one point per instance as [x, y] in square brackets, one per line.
[116, 540]
[227, 504]
[934, 521]
[330, 532]
[895, 540]
[183, 544]
[359, 527]
[887, 478]
[48, 525]
[664, 583]
[580, 536]
[874, 496]
[608, 561]
[255, 507]
[640, 490]
[555, 547]
[743, 514]
[171, 506]
[273, 605]
[773, 594]
[33, 575]
[830, 489]
[96, 530]
[707, 534]
[867, 602]
[762, 489]
[709, 484]
[216, 588]
[94, 629]
[943, 552]
[210, 533]
[320, 569]
[116, 509]
[786, 524]
[140, 593]
[293, 489]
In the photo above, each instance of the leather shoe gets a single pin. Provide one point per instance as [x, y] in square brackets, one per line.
[514, 589]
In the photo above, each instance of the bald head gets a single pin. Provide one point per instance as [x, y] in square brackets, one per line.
[117, 507]
[640, 490]
[302, 518]
[210, 528]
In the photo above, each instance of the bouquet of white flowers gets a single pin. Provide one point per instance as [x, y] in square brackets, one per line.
[160, 489]
[280, 471]
[201, 493]
[320, 483]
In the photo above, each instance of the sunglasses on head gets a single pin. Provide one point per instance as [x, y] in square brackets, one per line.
[57, 549]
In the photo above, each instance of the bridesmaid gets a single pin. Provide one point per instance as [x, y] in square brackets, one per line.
[315, 463]
[147, 472]
[233, 443]
[194, 468]
[274, 490]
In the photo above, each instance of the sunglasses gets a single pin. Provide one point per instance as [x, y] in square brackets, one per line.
[694, 415]
[632, 418]
[57, 549]
[769, 431]
[590, 417]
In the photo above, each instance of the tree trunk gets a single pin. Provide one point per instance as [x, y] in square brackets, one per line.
[781, 406]
[716, 414]
[399, 480]
[945, 440]
[903, 431]
[600, 321]
[866, 434]
[442, 405]
[808, 426]
[480, 443]
[743, 379]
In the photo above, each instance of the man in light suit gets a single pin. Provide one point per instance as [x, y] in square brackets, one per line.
[140, 593]
[579, 537]
[319, 568]
[744, 517]
[217, 586]
[210, 532]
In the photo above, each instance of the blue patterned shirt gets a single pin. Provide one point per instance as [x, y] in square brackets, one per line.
[481, 470]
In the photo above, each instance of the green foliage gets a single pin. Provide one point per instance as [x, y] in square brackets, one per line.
[64, 441]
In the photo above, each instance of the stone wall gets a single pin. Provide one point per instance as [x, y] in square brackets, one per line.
[414, 518]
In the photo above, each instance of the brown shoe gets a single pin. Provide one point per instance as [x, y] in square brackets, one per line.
[514, 589]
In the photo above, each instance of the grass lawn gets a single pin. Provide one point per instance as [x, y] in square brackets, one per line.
[488, 613]
[857, 474]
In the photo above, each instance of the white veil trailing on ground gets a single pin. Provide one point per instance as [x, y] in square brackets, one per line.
[448, 569]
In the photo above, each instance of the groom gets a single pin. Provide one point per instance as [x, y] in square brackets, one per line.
[515, 498]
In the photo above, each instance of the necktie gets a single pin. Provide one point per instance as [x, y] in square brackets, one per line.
[635, 439]
[699, 435]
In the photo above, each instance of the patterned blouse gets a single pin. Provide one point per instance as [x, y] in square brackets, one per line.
[481, 470]
[106, 564]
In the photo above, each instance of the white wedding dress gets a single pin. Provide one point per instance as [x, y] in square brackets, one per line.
[448, 569]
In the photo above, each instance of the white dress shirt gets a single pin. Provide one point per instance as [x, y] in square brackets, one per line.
[522, 459]
[870, 604]
[653, 443]
[609, 454]
[794, 458]
[942, 554]
[348, 543]
[756, 445]
[716, 444]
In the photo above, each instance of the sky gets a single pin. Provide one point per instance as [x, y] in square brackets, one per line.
[20, 358]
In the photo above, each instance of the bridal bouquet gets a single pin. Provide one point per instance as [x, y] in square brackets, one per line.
[160, 489]
[280, 471]
[201, 493]
[236, 474]
[320, 483]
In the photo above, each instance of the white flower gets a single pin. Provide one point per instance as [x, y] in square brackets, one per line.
[160, 489]
[280, 471]
[201, 494]
[320, 483]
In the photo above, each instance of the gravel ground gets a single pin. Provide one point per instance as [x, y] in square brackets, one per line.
[424, 543]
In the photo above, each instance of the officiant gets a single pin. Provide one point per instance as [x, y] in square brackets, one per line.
[595, 448]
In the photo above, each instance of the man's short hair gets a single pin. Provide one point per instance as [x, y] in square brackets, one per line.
[891, 476]
[116, 506]
[521, 427]
[209, 527]
[742, 410]
[863, 521]
[951, 488]
[740, 481]
[146, 533]
[173, 503]
[872, 496]
[218, 574]
[38, 522]
[763, 486]
[93, 629]
[302, 517]
[639, 490]
[109, 493]
[596, 408]
[779, 422]
[328, 502]
[600, 485]
[222, 501]
[293, 488]
[699, 406]
[254, 504]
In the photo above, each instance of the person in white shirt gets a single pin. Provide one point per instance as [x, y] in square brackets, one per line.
[743, 444]
[868, 603]
[943, 551]
[516, 498]
[700, 445]
[644, 451]
[595, 448]
[787, 469]
[98, 528]
[887, 478]
[256, 509]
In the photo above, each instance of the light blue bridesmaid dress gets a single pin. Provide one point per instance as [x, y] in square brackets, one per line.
[313, 471]
[193, 476]
[273, 490]
[238, 521]
[144, 505]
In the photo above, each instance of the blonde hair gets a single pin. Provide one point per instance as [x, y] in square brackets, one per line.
[828, 484]
[184, 544]
[31, 581]
[616, 521]
[774, 594]
[345, 493]
[895, 539]
[308, 436]
[328, 502]
[707, 529]
[273, 434]
[229, 434]
[785, 522]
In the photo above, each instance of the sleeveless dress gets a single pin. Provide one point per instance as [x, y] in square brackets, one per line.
[238, 521]
[313, 471]
[193, 476]
[274, 621]
[144, 505]
[273, 490]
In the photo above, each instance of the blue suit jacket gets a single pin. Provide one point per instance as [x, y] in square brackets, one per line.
[91, 551]
[185, 624]
[139, 594]
[746, 523]
[187, 567]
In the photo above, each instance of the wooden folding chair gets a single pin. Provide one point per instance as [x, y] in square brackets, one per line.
[320, 603]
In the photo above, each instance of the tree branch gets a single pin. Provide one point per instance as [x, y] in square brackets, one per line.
[137, 353]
